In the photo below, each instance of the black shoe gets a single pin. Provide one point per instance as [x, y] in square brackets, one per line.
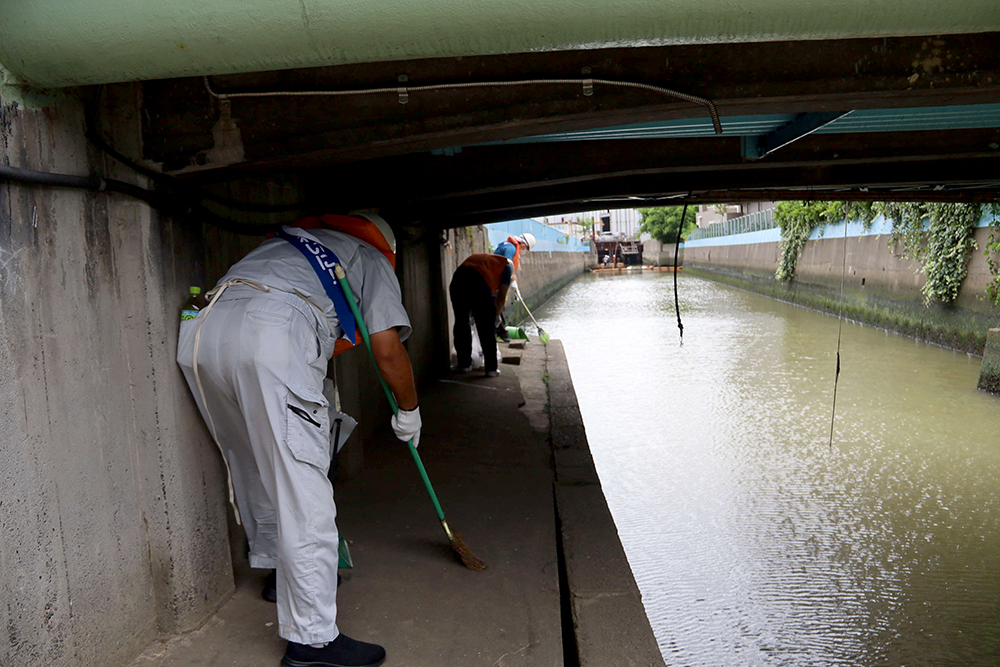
[270, 592]
[341, 652]
[502, 335]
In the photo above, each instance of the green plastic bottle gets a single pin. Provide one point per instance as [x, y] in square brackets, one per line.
[194, 303]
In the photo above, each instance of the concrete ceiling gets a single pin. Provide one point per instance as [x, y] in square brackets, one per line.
[888, 118]
[54, 43]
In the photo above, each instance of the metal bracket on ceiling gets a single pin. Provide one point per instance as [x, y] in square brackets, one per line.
[588, 83]
[404, 95]
[757, 147]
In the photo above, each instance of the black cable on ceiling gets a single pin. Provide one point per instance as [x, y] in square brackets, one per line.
[160, 201]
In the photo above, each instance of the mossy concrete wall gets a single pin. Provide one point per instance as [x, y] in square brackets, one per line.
[881, 287]
[112, 509]
[989, 373]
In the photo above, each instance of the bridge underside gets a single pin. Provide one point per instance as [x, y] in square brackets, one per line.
[892, 118]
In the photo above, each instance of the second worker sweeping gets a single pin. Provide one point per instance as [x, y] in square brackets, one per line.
[479, 288]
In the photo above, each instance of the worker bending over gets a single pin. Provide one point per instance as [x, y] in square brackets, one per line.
[512, 249]
[479, 288]
[256, 359]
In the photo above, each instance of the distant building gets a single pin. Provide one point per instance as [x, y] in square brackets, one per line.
[711, 213]
[621, 223]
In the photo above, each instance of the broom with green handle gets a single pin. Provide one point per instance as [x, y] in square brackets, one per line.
[542, 335]
[469, 559]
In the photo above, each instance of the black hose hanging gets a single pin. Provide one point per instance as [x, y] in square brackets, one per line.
[840, 331]
[677, 247]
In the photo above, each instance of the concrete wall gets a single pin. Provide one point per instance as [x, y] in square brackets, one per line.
[542, 274]
[112, 519]
[657, 253]
[881, 287]
[989, 372]
[52, 43]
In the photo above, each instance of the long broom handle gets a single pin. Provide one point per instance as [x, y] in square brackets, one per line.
[518, 290]
[342, 279]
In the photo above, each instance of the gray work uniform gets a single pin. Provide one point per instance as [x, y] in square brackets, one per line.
[262, 358]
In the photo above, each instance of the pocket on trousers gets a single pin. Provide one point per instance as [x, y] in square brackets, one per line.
[268, 318]
[307, 427]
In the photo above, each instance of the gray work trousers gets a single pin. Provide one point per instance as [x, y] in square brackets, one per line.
[262, 358]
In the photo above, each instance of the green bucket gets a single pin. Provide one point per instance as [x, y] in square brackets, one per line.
[345, 554]
[517, 333]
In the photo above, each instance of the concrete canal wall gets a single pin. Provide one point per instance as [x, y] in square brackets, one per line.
[989, 374]
[881, 287]
[657, 253]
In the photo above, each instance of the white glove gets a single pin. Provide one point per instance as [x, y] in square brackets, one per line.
[496, 322]
[513, 288]
[406, 425]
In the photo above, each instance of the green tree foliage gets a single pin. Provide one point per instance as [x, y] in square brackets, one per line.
[661, 222]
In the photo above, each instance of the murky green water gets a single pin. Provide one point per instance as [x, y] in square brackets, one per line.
[752, 540]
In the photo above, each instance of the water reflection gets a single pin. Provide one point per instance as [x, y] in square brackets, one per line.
[753, 541]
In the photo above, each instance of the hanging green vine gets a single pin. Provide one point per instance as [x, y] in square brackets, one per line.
[940, 236]
[944, 243]
[950, 242]
[797, 220]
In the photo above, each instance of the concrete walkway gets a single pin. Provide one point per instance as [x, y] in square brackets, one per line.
[558, 590]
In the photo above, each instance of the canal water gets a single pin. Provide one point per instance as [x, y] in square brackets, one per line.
[752, 539]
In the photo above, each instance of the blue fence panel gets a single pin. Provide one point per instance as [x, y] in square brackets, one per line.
[548, 238]
[753, 222]
[759, 228]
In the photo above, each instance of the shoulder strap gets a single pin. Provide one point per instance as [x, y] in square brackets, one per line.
[322, 260]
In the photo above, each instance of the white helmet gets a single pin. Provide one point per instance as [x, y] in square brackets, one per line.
[383, 227]
[529, 239]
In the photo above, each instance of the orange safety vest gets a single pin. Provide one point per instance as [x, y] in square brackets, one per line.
[359, 228]
[517, 252]
[490, 267]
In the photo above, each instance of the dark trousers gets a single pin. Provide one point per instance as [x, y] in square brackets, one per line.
[471, 295]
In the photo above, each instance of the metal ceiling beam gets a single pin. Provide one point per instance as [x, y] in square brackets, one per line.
[756, 147]
[496, 170]
[972, 193]
[907, 178]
